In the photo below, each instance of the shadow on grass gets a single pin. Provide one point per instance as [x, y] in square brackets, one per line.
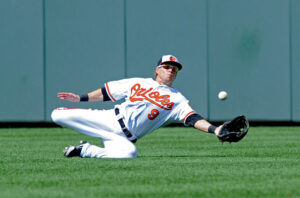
[182, 156]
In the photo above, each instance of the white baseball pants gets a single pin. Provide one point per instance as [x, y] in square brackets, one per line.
[97, 123]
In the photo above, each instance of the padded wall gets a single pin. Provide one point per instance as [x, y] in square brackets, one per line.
[21, 61]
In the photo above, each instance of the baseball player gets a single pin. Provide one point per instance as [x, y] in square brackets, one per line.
[149, 103]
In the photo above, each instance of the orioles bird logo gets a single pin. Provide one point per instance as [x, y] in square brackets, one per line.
[172, 58]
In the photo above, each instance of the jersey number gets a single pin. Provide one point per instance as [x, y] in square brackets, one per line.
[154, 113]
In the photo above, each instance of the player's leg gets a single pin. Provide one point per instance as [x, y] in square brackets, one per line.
[96, 123]
[116, 148]
[121, 148]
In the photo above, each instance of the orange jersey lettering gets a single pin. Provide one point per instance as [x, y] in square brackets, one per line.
[140, 94]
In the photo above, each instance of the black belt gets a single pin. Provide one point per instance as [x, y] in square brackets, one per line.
[124, 129]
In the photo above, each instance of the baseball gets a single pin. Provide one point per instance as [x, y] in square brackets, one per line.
[222, 95]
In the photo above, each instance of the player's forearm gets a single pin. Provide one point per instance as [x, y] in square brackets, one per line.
[205, 126]
[96, 95]
[202, 125]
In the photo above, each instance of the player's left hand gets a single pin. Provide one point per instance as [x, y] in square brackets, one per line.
[217, 131]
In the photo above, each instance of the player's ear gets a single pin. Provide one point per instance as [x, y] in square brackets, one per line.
[155, 72]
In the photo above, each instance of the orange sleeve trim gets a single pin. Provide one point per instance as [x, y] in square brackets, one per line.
[108, 91]
[187, 115]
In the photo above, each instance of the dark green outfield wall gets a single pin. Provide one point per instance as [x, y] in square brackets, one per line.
[248, 48]
[21, 61]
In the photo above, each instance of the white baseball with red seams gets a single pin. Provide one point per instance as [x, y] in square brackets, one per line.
[148, 105]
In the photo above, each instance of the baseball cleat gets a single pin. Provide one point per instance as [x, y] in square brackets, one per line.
[74, 151]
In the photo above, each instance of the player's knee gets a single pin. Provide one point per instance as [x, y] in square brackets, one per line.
[132, 152]
[57, 116]
[54, 115]
[129, 152]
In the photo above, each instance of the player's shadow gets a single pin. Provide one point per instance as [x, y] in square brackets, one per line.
[182, 156]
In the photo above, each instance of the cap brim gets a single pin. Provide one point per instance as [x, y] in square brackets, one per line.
[176, 64]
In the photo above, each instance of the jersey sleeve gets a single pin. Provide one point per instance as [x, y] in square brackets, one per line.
[183, 111]
[117, 90]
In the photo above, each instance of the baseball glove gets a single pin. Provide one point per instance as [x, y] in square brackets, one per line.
[234, 130]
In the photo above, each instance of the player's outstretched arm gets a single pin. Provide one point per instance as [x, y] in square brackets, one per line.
[92, 96]
[204, 125]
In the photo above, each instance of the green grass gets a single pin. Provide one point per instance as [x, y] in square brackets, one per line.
[172, 162]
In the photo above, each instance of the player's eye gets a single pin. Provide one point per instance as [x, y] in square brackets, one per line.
[174, 69]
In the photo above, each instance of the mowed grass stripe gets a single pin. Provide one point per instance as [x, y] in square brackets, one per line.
[172, 162]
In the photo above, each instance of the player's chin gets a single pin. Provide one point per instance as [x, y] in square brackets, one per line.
[173, 76]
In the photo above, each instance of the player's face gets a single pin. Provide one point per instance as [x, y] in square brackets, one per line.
[166, 73]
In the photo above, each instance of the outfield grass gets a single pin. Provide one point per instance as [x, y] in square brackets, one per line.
[172, 162]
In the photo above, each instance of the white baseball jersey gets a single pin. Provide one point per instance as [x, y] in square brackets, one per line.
[148, 105]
